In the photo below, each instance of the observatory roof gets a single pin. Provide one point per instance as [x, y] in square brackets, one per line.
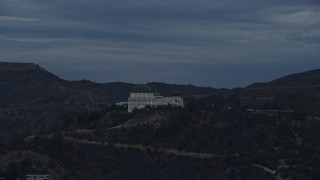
[141, 88]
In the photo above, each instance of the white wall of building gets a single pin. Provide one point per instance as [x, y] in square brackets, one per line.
[140, 100]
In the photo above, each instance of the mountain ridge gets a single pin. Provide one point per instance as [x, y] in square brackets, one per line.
[309, 78]
[27, 82]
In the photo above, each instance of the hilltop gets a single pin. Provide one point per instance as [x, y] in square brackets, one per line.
[23, 82]
[297, 80]
[301, 87]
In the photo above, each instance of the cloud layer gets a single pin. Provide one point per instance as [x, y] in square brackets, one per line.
[207, 42]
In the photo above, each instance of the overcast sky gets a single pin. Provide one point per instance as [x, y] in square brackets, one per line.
[216, 43]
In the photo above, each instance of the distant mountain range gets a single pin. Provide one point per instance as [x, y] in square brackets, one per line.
[27, 82]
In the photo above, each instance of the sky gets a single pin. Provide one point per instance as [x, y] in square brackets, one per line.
[229, 43]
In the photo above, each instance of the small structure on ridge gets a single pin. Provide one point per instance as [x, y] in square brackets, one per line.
[142, 96]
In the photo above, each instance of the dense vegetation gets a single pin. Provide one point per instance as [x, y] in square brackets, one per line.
[242, 142]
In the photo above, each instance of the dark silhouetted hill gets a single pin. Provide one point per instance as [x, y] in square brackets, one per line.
[303, 87]
[298, 80]
[23, 82]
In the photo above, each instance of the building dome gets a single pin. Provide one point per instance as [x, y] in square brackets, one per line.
[141, 88]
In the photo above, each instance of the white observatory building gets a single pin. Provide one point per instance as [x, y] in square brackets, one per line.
[142, 96]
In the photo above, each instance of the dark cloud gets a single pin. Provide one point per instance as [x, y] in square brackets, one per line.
[179, 41]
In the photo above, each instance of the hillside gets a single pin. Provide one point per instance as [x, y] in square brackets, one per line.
[298, 80]
[303, 87]
[196, 142]
[33, 100]
[70, 130]
[23, 82]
